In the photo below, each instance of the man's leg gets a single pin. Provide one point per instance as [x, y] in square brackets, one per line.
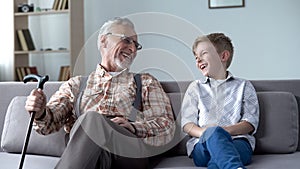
[82, 152]
[119, 162]
[94, 135]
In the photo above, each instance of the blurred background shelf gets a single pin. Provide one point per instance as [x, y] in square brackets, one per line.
[56, 24]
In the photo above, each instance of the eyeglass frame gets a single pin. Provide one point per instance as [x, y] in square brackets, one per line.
[127, 40]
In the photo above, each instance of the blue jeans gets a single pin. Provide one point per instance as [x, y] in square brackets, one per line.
[217, 150]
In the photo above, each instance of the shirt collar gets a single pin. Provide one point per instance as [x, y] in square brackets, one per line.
[207, 79]
[100, 70]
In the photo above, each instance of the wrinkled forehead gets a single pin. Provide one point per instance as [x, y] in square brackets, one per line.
[123, 29]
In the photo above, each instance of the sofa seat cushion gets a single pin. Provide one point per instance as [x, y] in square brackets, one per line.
[10, 160]
[267, 161]
[278, 126]
[181, 162]
[275, 161]
[15, 128]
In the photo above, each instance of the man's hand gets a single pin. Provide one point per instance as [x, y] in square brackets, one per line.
[124, 123]
[36, 101]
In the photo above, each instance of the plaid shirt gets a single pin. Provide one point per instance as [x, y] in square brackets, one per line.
[112, 95]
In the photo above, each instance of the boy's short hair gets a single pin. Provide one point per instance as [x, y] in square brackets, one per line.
[220, 41]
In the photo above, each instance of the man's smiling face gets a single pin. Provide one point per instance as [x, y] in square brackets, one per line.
[120, 53]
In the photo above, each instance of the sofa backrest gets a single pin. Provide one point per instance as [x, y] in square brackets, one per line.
[11, 89]
[175, 90]
[279, 101]
[292, 86]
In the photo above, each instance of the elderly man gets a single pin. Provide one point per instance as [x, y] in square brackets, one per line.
[97, 111]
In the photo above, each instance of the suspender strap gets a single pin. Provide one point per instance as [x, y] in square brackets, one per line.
[137, 104]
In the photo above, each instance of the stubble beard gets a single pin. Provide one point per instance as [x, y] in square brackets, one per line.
[125, 64]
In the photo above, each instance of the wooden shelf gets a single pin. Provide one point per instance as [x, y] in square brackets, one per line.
[74, 21]
[50, 12]
[41, 52]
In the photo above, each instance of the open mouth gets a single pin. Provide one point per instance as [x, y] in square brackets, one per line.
[203, 66]
[126, 55]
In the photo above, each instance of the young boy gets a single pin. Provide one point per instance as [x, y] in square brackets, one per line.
[220, 113]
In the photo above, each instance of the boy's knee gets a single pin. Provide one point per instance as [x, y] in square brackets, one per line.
[217, 129]
[215, 132]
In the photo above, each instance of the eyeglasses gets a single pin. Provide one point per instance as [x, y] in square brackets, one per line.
[127, 40]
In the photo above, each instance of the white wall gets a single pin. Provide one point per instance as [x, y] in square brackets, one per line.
[265, 35]
[6, 42]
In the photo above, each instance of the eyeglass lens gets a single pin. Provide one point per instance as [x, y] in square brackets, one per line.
[128, 40]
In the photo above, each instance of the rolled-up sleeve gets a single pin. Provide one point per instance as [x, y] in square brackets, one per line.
[250, 106]
[59, 108]
[189, 106]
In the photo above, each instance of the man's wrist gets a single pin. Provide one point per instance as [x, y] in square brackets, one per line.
[42, 116]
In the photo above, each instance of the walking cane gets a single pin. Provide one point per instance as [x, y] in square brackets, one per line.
[41, 81]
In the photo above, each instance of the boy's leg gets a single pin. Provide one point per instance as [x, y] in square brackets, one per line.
[244, 148]
[222, 151]
[212, 165]
[200, 155]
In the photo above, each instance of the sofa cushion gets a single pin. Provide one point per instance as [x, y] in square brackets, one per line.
[180, 139]
[10, 161]
[278, 127]
[15, 128]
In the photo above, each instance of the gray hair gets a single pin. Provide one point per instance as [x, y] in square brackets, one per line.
[106, 27]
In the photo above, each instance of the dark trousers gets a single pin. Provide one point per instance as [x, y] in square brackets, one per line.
[97, 143]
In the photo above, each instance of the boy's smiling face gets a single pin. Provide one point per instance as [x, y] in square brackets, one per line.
[209, 61]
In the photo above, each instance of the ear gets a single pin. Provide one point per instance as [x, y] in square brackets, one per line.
[225, 55]
[103, 41]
